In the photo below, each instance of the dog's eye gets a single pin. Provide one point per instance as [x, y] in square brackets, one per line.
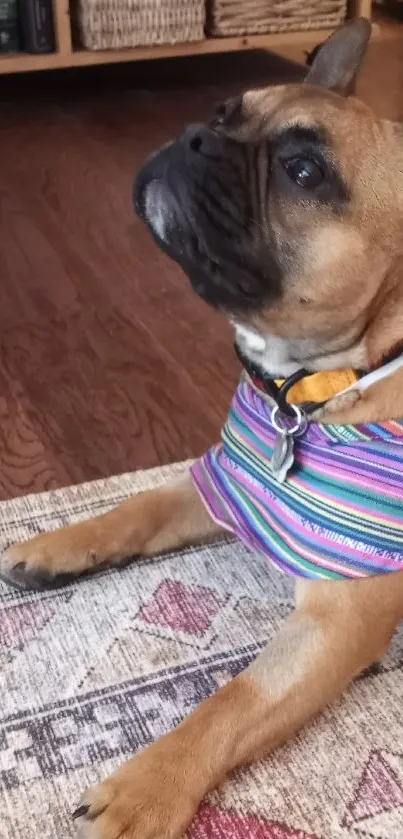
[303, 171]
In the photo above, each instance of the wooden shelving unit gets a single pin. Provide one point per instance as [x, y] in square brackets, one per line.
[290, 45]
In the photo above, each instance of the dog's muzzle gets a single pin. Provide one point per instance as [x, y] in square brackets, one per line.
[165, 188]
[194, 197]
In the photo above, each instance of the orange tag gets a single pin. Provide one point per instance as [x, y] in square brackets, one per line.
[319, 387]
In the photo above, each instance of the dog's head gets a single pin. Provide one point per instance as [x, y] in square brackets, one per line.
[285, 211]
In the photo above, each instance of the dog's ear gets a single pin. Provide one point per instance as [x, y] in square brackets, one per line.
[338, 60]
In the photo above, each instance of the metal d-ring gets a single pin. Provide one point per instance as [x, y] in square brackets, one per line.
[294, 430]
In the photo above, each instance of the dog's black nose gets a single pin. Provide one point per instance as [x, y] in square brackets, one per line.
[201, 139]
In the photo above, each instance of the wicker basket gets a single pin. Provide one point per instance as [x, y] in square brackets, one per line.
[111, 24]
[257, 17]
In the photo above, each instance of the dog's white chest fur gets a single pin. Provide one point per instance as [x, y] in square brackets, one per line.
[281, 357]
[271, 353]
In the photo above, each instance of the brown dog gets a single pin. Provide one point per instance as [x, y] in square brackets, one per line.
[307, 259]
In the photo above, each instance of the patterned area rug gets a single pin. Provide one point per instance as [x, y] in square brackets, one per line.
[91, 673]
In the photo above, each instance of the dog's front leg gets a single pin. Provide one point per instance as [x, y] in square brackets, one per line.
[337, 630]
[149, 523]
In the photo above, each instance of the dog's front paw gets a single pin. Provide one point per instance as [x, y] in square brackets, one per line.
[147, 798]
[52, 559]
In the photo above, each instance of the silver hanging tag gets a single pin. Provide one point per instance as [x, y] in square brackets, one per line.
[283, 456]
[283, 451]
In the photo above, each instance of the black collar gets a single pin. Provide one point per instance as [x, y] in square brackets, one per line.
[278, 393]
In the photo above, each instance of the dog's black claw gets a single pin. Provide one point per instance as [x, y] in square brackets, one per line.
[82, 810]
[20, 578]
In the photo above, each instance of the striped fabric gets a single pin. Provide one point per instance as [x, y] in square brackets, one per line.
[338, 515]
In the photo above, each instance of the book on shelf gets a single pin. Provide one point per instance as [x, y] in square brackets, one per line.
[9, 31]
[36, 25]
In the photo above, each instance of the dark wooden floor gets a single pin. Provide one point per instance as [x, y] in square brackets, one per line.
[108, 362]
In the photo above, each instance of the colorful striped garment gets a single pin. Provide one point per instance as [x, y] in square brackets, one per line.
[339, 513]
